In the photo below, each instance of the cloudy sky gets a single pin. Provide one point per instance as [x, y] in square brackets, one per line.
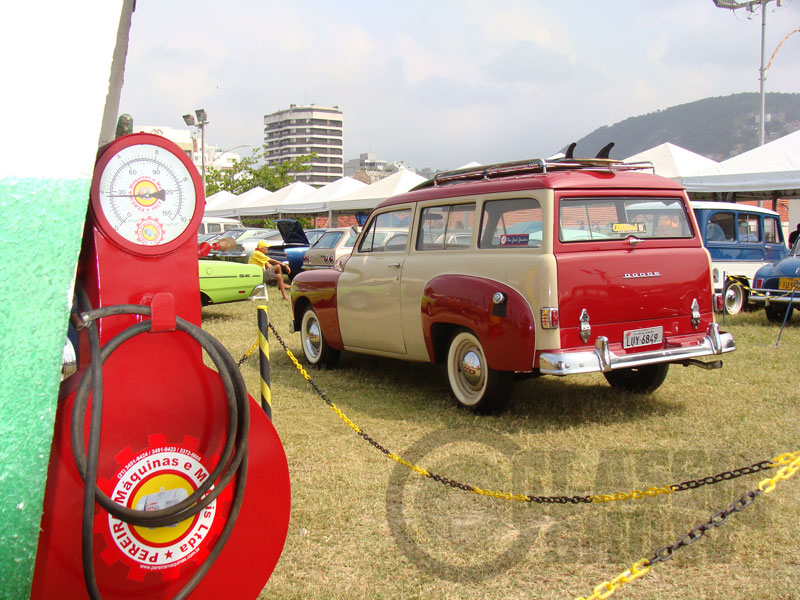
[439, 83]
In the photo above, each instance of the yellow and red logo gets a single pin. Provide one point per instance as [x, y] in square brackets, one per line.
[157, 478]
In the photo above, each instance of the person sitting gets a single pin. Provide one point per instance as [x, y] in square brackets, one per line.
[273, 269]
[715, 233]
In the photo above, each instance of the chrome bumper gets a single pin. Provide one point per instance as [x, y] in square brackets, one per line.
[602, 359]
[781, 297]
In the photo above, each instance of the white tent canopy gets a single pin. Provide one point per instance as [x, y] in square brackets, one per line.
[232, 205]
[319, 200]
[270, 205]
[673, 161]
[370, 196]
[769, 171]
[218, 198]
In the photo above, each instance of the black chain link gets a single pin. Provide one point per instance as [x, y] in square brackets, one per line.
[724, 476]
[686, 485]
[718, 518]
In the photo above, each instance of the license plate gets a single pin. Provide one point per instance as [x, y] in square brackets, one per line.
[789, 283]
[634, 338]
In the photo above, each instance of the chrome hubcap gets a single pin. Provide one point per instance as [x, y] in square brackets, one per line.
[312, 336]
[471, 368]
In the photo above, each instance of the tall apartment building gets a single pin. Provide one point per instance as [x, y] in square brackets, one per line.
[303, 130]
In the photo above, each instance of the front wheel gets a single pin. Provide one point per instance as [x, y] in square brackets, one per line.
[734, 298]
[638, 380]
[473, 382]
[315, 348]
[776, 313]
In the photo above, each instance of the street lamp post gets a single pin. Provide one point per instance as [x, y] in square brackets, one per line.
[217, 156]
[202, 121]
[762, 72]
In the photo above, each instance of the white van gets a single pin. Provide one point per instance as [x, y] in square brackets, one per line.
[217, 225]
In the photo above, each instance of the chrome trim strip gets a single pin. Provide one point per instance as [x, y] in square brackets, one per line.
[602, 359]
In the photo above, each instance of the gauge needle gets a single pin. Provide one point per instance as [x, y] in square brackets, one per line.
[160, 194]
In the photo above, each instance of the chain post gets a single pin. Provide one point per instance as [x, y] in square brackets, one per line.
[263, 360]
[785, 317]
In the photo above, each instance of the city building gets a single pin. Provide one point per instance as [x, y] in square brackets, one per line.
[304, 130]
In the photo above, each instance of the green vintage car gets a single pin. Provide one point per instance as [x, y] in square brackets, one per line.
[223, 281]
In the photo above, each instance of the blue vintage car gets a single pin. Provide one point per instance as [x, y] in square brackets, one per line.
[777, 286]
[741, 239]
[296, 242]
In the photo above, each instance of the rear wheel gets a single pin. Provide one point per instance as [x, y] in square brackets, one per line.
[638, 380]
[473, 382]
[777, 312]
[734, 298]
[315, 348]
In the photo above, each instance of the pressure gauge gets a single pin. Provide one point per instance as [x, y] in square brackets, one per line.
[146, 194]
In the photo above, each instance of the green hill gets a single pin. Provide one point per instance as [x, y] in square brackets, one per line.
[714, 127]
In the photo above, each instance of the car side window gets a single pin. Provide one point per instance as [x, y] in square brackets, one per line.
[387, 232]
[749, 228]
[721, 227]
[446, 227]
[771, 228]
[512, 223]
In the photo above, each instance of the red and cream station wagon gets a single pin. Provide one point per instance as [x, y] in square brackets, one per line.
[530, 267]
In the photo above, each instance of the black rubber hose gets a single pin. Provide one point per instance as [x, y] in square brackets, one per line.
[228, 465]
[222, 471]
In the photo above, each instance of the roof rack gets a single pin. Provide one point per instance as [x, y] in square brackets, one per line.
[531, 166]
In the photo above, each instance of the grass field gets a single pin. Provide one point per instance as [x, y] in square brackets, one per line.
[363, 526]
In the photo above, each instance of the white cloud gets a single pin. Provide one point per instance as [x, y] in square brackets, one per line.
[442, 83]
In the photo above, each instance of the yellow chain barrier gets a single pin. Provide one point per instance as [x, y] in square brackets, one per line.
[248, 353]
[735, 280]
[784, 473]
[635, 494]
[607, 588]
[789, 460]
[782, 459]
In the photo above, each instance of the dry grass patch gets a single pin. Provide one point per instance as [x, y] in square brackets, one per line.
[363, 526]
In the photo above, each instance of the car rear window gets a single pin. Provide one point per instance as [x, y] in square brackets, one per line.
[597, 219]
[328, 240]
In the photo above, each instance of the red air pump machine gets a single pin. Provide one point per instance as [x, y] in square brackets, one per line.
[166, 479]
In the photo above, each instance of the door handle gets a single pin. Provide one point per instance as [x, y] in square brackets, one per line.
[394, 265]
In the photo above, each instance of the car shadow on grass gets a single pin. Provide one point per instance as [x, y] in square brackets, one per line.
[395, 390]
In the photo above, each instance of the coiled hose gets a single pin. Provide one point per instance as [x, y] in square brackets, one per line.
[233, 459]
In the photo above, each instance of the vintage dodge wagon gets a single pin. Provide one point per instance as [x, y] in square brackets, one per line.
[531, 267]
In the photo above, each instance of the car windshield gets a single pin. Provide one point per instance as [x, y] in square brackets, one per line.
[584, 219]
[268, 235]
[232, 233]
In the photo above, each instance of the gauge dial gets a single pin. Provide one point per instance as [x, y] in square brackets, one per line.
[146, 193]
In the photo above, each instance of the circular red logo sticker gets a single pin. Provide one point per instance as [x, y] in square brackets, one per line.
[155, 479]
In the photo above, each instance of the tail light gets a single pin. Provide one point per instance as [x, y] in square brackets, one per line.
[718, 303]
[759, 283]
[550, 318]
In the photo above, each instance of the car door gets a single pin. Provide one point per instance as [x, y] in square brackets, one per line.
[368, 291]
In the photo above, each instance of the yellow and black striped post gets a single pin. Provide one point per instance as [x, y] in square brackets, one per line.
[263, 360]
